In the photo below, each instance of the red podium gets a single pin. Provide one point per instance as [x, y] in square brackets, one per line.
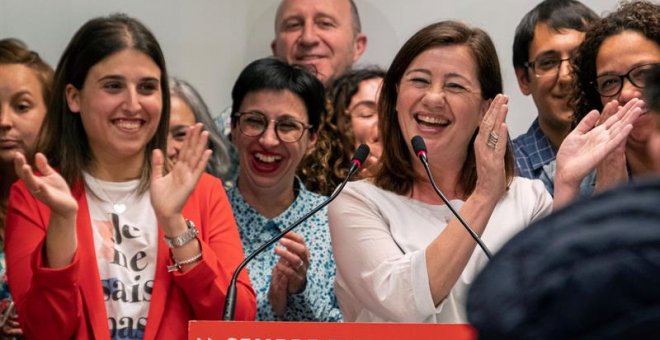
[262, 330]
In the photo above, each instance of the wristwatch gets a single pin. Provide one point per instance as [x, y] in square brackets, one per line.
[180, 240]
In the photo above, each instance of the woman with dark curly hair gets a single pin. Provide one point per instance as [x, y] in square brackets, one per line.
[610, 67]
[355, 99]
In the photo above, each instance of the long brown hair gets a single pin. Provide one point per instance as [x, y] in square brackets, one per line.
[396, 172]
[62, 138]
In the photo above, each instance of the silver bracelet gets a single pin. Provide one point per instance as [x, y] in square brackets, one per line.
[180, 240]
[178, 264]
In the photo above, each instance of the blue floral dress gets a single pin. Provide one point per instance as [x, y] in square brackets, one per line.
[317, 302]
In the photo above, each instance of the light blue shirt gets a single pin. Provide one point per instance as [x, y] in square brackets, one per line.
[317, 302]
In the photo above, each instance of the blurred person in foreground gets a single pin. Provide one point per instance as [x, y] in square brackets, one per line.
[588, 271]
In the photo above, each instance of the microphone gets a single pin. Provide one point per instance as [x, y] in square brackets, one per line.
[359, 157]
[420, 150]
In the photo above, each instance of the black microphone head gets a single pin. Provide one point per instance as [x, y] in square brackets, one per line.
[360, 155]
[418, 145]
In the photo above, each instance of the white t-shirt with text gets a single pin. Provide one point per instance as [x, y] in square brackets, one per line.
[126, 241]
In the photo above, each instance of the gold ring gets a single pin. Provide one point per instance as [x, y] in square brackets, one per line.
[302, 263]
[35, 192]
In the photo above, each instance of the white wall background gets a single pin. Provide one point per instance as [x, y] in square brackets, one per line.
[208, 42]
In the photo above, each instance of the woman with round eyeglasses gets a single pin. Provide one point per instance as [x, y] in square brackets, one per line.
[611, 65]
[277, 109]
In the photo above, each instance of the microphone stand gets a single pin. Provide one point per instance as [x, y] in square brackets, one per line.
[420, 149]
[230, 301]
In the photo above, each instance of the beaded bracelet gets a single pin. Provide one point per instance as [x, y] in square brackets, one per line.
[178, 264]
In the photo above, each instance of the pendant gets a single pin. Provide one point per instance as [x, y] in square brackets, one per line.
[119, 208]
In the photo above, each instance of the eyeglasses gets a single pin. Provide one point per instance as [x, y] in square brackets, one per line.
[610, 85]
[253, 124]
[545, 66]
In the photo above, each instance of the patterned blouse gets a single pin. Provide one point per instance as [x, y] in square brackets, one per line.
[317, 302]
[4, 287]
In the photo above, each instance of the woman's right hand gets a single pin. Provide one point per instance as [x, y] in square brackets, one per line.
[11, 329]
[50, 187]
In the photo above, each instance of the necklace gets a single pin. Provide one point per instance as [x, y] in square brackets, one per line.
[117, 206]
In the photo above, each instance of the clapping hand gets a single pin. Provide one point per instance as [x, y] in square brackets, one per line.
[589, 144]
[169, 192]
[50, 187]
[490, 147]
[289, 276]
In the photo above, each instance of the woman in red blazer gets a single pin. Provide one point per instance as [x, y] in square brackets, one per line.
[115, 244]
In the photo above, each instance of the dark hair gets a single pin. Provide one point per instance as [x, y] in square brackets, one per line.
[221, 163]
[652, 89]
[396, 172]
[62, 137]
[341, 94]
[14, 51]
[639, 16]
[271, 74]
[558, 15]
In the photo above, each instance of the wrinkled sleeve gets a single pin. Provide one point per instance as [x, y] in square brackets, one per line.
[49, 302]
[205, 285]
[376, 272]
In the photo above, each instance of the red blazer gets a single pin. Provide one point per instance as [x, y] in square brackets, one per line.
[68, 302]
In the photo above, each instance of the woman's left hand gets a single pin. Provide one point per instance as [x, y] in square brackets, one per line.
[593, 144]
[289, 276]
[170, 192]
[293, 262]
[490, 147]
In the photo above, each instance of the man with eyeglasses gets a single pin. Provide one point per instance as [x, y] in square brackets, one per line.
[544, 42]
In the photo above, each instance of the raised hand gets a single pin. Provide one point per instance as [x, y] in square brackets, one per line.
[613, 169]
[50, 187]
[170, 192]
[589, 144]
[490, 147]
